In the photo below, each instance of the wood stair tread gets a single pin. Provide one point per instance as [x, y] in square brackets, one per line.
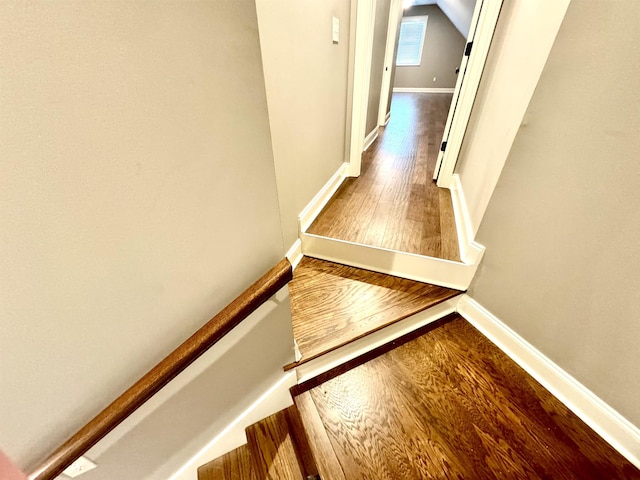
[279, 448]
[449, 404]
[445, 402]
[334, 304]
[235, 465]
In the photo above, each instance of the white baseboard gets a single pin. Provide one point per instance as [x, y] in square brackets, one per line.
[604, 420]
[318, 202]
[273, 400]
[369, 139]
[294, 254]
[387, 118]
[470, 250]
[422, 90]
[326, 362]
[432, 270]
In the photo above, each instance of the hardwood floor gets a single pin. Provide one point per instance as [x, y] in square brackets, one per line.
[277, 449]
[450, 404]
[235, 465]
[334, 304]
[395, 204]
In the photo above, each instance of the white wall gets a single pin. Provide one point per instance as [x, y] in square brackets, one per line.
[459, 12]
[137, 196]
[306, 82]
[520, 47]
[562, 228]
[378, 51]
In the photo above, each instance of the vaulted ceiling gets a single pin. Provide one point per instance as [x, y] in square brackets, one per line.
[458, 11]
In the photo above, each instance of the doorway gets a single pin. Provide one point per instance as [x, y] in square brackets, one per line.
[480, 32]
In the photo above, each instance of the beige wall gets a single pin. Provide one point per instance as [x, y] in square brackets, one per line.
[137, 196]
[196, 407]
[306, 81]
[441, 54]
[521, 44]
[562, 227]
[377, 63]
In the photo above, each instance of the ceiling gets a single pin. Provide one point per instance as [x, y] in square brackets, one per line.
[459, 12]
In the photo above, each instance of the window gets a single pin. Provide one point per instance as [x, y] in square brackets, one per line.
[412, 31]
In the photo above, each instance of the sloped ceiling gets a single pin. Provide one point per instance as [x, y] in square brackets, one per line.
[458, 11]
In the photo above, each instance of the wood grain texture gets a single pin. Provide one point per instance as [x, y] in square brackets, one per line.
[328, 464]
[300, 388]
[235, 465]
[333, 304]
[164, 372]
[273, 449]
[394, 203]
[450, 404]
[301, 441]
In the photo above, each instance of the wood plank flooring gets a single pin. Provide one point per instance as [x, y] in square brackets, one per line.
[277, 449]
[333, 304]
[235, 465]
[273, 448]
[450, 404]
[394, 203]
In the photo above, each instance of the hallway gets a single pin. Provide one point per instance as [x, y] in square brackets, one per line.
[395, 204]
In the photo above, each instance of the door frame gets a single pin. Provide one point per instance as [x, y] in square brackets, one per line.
[484, 20]
[364, 27]
[395, 14]
[483, 24]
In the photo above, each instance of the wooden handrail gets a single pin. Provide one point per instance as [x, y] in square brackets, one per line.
[164, 372]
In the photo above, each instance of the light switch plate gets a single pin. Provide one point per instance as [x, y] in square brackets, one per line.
[80, 466]
[336, 29]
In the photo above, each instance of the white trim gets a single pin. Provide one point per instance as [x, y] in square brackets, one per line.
[332, 359]
[273, 400]
[370, 138]
[456, 95]
[604, 420]
[422, 90]
[421, 268]
[387, 118]
[186, 377]
[395, 12]
[421, 19]
[470, 250]
[471, 68]
[294, 254]
[365, 22]
[321, 198]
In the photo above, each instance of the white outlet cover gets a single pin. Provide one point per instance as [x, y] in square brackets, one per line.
[80, 466]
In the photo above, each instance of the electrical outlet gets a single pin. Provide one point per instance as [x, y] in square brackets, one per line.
[80, 466]
[434, 79]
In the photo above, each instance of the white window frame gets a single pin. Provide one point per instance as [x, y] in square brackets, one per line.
[413, 19]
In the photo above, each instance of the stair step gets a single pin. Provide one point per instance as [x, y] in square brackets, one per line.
[235, 465]
[279, 447]
[333, 304]
[448, 403]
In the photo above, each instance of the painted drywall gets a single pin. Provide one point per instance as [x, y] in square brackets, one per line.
[441, 55]
[378, 50]
[460, 12]
[210, 395]
[562, 228]
[521, 44]
[138, 196]
[393, 62]
[306, 82]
